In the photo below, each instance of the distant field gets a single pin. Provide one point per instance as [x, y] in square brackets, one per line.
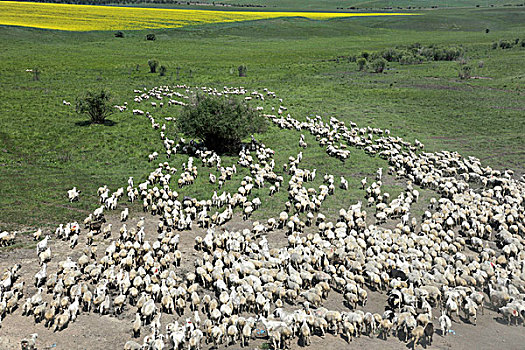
[300, 5]
[86, 18]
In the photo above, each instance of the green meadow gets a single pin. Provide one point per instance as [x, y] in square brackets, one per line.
[46, 148]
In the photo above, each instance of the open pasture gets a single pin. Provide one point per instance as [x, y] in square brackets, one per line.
[449, 231]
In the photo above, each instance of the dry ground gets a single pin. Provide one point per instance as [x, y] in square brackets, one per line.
[91, 331]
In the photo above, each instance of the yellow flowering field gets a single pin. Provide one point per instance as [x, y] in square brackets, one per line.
[85, 17]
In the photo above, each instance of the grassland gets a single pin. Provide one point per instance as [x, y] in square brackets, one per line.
[88, 18]
[45, 148]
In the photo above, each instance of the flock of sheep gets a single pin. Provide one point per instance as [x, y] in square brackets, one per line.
[464, 252]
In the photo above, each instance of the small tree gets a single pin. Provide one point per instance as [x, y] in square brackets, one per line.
[378, 65]
[97, 105]
[162, 71]
[221, 122]
[151, 37]
[153, 64]
[361, 63]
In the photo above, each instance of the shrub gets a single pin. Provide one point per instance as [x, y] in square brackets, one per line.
[378, 65]
[151, 37]
[119, 34]
[36, 74]
[505, 44]
[153, 64]
[487, 31]
[494, 45]
[464, 71]
[97, 105]
[162, 71]
[407, 59]
[361, 63]
[523, 43]
[221, 122]
[242, 70]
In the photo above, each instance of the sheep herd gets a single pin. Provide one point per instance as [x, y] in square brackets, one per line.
[463, 254]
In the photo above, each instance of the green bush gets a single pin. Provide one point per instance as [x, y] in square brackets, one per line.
[378, 65]
[221, 122]
[119, 34]
[494, 45]
[162, 71]
[97, 105]
[151, 37]
[361, 63]
[153, 64]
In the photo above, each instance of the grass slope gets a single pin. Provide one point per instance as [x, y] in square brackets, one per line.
[45, 149]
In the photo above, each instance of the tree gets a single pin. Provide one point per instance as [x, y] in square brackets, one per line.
[97, 105]
[221, 122]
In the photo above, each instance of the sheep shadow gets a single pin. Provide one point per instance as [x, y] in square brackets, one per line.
[503, 321]
[107, 122]
[422, 342]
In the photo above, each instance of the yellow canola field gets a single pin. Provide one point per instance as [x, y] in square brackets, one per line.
[87, 17]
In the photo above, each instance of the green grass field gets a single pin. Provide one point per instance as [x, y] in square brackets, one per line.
[45, 149]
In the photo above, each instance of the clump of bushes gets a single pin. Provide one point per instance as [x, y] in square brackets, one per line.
[413, 54]
[119, 34]
[96, 104]
[151, 37]
[507, 44]
[153, 64]
[162, 71]
[221, 122]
